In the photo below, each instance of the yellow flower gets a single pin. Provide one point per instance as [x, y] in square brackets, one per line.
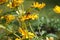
[27, 17]
[25, 33]
[23, 18]
[34, 16]
[37, 5]
[17, 39]
[47, 38]
[3, 1]
[9, 18]
[15, 3]
[31, 35]
[50, 38]
[56, 9]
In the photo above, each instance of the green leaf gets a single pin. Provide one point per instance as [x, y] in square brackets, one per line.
[52, 35]
[37, 38]
[1, 35]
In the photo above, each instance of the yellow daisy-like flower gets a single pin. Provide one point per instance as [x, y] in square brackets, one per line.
[17, 39]
[31, 35]
[3, 1]
[9, 18]
[34, 16]
[15, 3]
[27, 17]
[49, 38]
[37, 5]
[25, 33]
[56, 9]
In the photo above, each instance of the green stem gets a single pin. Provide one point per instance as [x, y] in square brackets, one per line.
[24, 26]
[31, 27]
[38, 25]
[16, 35]
[32, 30]
[13, 33]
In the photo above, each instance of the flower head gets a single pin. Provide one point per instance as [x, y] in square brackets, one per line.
[37, 5]
[56, 9]
[15, 3]
[30, 16]
[34, 16]
[25, 33]
[9, 18]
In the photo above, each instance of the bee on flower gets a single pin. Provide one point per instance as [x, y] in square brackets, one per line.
[26, 34]
[3, 1]
[38, 5]
[9, 18]
[15, 3]
[56, 9]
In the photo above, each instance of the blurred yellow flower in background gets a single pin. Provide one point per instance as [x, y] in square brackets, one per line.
[25, 33]
[37, 5]
[27, 17]
[17, 39]
[56, 9]
[15, 3]
[9, 18]
[3, 1]
[49, 38]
